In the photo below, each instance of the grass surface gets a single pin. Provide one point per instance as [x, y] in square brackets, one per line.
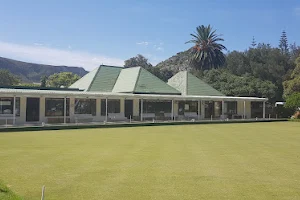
[7, 194]
[220, 161]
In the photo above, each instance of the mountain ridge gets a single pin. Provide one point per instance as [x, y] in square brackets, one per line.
[32, 72]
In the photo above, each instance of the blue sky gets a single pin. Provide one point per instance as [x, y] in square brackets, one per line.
[92, 32]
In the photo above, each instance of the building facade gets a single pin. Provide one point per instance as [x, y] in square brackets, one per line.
[114, 94]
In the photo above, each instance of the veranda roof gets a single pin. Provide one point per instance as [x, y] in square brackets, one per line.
[111, 95]
[188, 84]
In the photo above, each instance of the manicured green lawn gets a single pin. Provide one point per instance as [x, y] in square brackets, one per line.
[219, 161]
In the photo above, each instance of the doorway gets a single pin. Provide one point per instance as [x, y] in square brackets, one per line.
[33, 110]
[128, 108]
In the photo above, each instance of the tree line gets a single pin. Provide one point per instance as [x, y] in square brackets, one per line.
[261, 70]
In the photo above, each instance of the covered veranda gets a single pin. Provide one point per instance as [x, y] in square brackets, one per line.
[24, 106]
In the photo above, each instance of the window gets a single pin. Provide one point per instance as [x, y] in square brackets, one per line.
[157, 107]
[187, 106]
[113, 106]
[231, 107]
[7, 105]
[55, 107]
[85, 106]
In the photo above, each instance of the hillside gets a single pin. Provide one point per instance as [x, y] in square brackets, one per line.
[30, 72]
[176, 63]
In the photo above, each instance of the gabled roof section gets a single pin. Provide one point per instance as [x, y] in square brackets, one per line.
[101, 79]
[138, 80]
[85, 82]
[189, 84]
[105, 79]
[127, 80]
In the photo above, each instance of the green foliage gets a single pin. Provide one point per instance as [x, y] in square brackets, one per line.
[44, 81]
[233, 85]
[137, 61]
[63, 79]
[207, 52]
[293, 85]
[141, 61]
[293, 101]
[283, 44]
[7, 78]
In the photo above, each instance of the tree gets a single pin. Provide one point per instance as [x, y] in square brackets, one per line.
[294, 51]
[207, 52]
[293, 85]
[137, 61]
[7, 78]
[63, 79]
[293, 101]
[44, 81]
[141, 61]
[283, 43]
[233, 85]
[253, 43]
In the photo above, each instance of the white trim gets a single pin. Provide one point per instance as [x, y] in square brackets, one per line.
[264, 110]
[79, 94]
[14, 112]
[244, 109]
[65, 110]
[172, 110]
[142, 109]
[106, 101]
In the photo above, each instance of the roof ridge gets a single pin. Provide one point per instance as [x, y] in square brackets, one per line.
[112, 66]
[136, 80]
[118, 77]
[93, 78]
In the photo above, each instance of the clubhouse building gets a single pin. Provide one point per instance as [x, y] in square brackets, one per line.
[117, 94]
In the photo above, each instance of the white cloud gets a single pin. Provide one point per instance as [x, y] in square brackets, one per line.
[143, 43]
[159, 49]
[52, 56]
[38, 44]
[159, 46]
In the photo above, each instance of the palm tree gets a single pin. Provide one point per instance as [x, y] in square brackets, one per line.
[207, 52]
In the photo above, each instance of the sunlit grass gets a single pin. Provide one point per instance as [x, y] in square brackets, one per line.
[217, 161]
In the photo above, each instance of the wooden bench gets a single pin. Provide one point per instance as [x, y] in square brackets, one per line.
[83, 118]
[57, 120]
[117, 116]
[148, 115]
[191, 115]
[6, 119]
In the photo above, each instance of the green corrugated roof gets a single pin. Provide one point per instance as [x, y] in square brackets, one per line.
[105, 79]
[126, 80]
[196, 86]
[101, 79]
[85, 82]
[147, 83]
[189, 84]
[140, 81]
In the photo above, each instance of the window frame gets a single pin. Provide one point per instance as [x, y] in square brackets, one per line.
[62, 111]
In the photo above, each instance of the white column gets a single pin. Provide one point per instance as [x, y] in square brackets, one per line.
[65, 110]
[141, 109]
[106, 109]
[223, 109]
[264, 110]
[14, 110]
[172, 110]
[199, 109]
[244, 109]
